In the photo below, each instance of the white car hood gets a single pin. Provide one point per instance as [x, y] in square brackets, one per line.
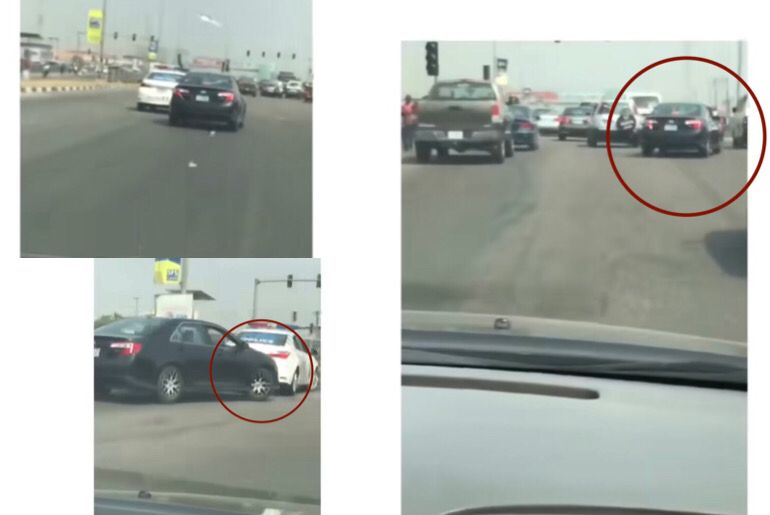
[637, 445]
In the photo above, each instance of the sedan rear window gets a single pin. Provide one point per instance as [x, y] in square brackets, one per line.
[577, 111]
[209, 80]
[462, 91]
[262, 337]
[130, 327]
[678, 110]
[167, 77]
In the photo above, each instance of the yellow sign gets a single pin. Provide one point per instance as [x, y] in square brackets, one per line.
[168, 270]
[95, 25]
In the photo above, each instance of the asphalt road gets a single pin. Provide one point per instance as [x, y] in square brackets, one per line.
[101, 179]
[551, 233]
[196, 446]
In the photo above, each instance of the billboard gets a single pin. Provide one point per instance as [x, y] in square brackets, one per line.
[174, 305]
[95, 25]
[168, 270]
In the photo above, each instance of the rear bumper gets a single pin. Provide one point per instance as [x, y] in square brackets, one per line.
[202, 111]
[471, 138]
[150, 96]
[524, 138]
[680, 139]
[573, 130]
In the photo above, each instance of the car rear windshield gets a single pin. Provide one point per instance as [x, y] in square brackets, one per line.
[209, 80]
[130, 327]
[166, 77]
[577, 111]
[605, 108]
[262, 337]
[462, 91]
[678, 110]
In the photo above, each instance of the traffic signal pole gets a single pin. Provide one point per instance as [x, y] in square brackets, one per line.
[288, 282]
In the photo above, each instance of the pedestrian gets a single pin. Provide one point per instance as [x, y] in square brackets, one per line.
[46, 70]
[408, 122]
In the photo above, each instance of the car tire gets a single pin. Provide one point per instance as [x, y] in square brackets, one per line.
[562, 137]
[534, 145]
[498, 153]
[705, 149]
[718, 148]
[647, 150]
[140, 106]
[174, 120]
[508, 148]
[293, 387]
[170, 384]
[233, 125]
[591, 140]
[442, 152]
[423, 152]
[261, 385]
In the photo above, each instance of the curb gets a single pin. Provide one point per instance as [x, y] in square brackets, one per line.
[56, 89]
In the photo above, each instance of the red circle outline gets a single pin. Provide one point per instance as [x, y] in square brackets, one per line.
[687, 213]
[214, 388]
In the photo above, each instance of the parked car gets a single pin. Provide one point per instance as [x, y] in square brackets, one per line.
[271, 88]
[625, 126]
[681, 126]
[463, 115]
[547, 119]
[523, 126]
[290, 356]
[574, 122]
[294, 89]
[739, 124]
[247, 86]
[209, 97]
[170, 357]
[157, 88]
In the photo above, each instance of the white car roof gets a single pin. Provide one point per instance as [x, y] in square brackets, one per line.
[170, 72]
[264, 330]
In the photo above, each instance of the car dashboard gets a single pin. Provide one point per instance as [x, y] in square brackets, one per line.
[475, 438]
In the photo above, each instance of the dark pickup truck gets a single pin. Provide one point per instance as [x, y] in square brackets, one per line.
[463, 115]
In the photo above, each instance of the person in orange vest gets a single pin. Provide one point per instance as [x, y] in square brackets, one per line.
[408, 122]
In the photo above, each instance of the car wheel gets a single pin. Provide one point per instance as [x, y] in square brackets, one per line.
[498, 153]
[718, 148]
[316, 379]
[170, 384]
[232, 125]
[705, 149]
[174, 120]
[647, 150]
[591, 140]
[533, 145]
[139, 106]
[442, 152]
[562, 137]
[508, 148]
[423, 152]
[260, 385]
[294, 385]
[101, 391]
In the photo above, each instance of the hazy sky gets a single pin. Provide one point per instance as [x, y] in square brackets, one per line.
[229, 281]
[269, 25]
[581, 67]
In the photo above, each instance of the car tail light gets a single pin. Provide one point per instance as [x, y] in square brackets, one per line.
[564, 120]
[694, 124]
[527, 125]
[279, 355]
[650, 124]
[181, 92]
[228, 96]
[496, 118]
[127, 348]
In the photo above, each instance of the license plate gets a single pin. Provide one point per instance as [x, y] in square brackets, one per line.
[96, 352]
[454, 135]
[202, 98]
[670, 127]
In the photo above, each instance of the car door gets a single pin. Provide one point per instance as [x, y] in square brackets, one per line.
[303, 360]
[193, 351]
[230, 369]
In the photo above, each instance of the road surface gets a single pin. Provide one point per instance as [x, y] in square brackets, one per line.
[101, 179]
[197, 446]
[551, 233]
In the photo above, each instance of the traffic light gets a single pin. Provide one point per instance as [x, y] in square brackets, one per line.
[152, 38]
[289, 280]
[487, 75]
[318, 281]
[248, 53]
[431, 58]
[115, 35]
[133, 37]
[293, 316]
[279, 55]
[263, 53]
[293, 56]
[226, 65]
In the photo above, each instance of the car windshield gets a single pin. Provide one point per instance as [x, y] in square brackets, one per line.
[678, 110]
[462, 91]
[165, 76]
[130, 327]
[263, 337]
[209, 80]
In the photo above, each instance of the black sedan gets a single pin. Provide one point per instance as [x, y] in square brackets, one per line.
[247, 86]
[681, 126]
[523, 126]
[171, 357]
[208, 97]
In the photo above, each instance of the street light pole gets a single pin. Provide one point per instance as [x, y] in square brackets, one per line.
[254, 305]
[136, 306]
[183, 280]
[104, 35]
